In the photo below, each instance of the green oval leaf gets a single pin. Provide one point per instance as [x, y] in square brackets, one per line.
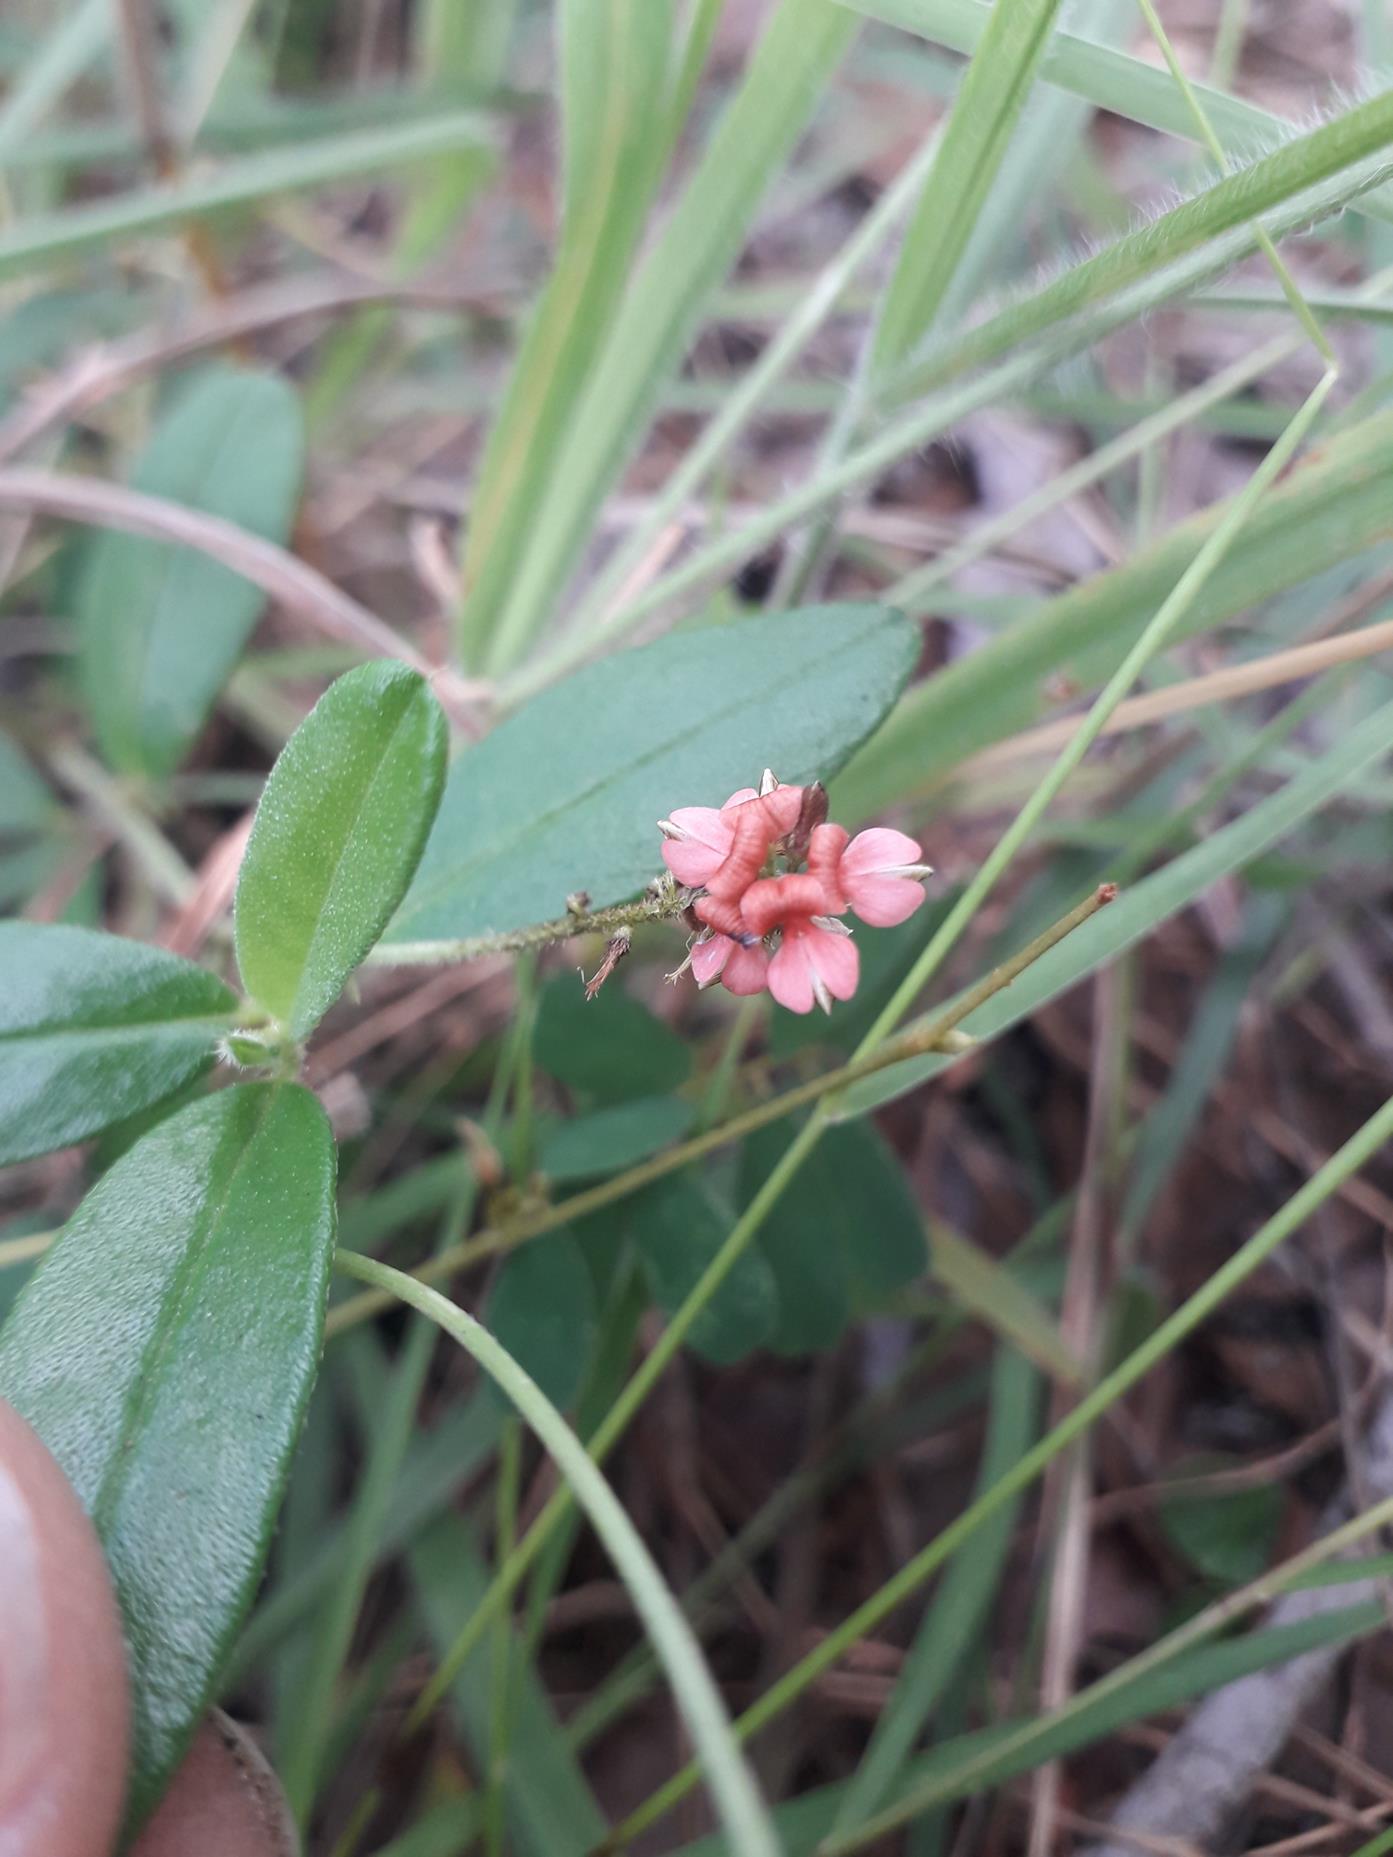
[160, 628]
[566, 794]
[164, 1351]
[844, 1235]
[678, 1228]
[611, 1048]
[608, 1139]
[92, 1029]
[542, 1309]
[337, 837]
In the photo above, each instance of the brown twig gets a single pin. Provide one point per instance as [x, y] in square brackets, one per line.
[99, 373]
[298, 587]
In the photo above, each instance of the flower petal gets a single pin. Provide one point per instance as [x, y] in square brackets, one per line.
[825, 848]
[747, 970]
[709, 957]
[781, 809]
[691, 863]
[880, 849]
[705, 824]
[703, 846]
[882, 902]
[719, 913]
[748, 850]
[873, 873]
[834, 960]
[791, 975]
[772, 901]
[739, 797]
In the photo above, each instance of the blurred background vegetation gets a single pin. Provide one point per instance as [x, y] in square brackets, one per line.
[497, 334]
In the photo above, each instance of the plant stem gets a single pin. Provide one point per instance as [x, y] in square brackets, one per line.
[658, 907]
[917, 1040]
[1182, 1322]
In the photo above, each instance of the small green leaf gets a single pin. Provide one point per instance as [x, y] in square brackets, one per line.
[542, 1309]
[337, 837]
[602, 1143]
[1227, 1536]
[92, 1029]
[610, 1048]
[678, 1227]
[566, 794]
[844, 1235]
[161, 628]
[164, 1351]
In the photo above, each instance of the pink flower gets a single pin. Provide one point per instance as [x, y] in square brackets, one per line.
[699, 840]
[877, 873]
[722, 853]
[816, 961]
[743, 970]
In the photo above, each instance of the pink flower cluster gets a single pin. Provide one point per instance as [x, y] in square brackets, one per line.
[776, 879]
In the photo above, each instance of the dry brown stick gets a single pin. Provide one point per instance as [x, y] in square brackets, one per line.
[300, 588]
[1209, 1768]
[101, 372]
[1291, 665]
[1068, 1482]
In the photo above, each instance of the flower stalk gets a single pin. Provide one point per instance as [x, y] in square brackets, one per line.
[938, 1032]
[663, 902]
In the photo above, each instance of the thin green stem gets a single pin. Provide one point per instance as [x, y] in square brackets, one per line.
[111, 801]
[500, 1688]
[1205, 1624]
[1153, 637]
[1151, 640]
[661, 906]
[934, 1034]
[603, 611]
[745, 1817]
[1301, 309]
[1359, 1149]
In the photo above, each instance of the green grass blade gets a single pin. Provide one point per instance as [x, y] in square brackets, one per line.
[1174, 254]
[659, 313]
[1208, 1042]
[1142, 906]
[34, 244]
[1350, 152]
[614, 58]
[960, 1611]
[733, 1788]
[1347, 1161]
[986, 108]
[1331, 509]
[1113, 80]
[64, 55]
[549, 1807]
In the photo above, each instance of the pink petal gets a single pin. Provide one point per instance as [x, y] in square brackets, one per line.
[781, 809]
[691, 863]
[747, 970]
[883, 901]
[880, 849]
[739, 797]
[705, 825]
[703, 847]
[709, 957]
[748, 850]
[825, 848]
[720, 914]
[791, 975]
[835, 961]
[771, 901]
